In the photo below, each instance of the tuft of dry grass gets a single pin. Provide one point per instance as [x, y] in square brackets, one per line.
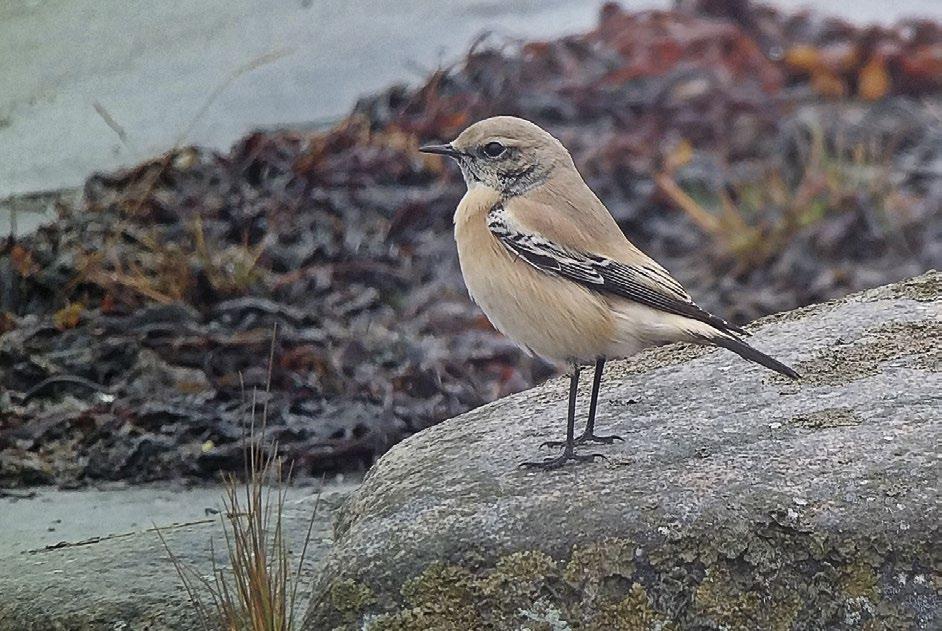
[166, 272]
[231, 270]
[162, 272]
[258, 588]
[751, 222]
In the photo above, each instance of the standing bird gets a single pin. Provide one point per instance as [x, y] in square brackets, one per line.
[548, 265]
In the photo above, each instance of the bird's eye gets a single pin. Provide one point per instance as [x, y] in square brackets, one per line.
[493, 149]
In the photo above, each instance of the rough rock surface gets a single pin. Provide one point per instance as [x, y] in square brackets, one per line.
[737, 500]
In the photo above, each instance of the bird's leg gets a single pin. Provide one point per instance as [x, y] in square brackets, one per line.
[570, 444]
[588, 436]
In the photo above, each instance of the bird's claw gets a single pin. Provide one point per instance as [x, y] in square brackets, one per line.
[561, 460]
[583, 439]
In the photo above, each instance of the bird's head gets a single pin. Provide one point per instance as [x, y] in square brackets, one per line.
[509, 154]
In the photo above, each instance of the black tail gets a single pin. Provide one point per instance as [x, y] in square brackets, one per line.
[747, 352]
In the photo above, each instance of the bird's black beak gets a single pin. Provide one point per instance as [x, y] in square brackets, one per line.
[445, 150]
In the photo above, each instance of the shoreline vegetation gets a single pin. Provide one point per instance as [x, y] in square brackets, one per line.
[256, 589]
[803, 154]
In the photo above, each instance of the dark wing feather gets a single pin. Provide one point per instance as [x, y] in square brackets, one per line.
[605, 275]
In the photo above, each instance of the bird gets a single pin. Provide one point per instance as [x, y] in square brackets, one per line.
[544, 259]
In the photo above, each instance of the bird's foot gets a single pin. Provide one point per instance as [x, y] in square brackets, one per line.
[561, 460]
[583, 439]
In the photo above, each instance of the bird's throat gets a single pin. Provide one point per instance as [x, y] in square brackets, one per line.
[475, 204]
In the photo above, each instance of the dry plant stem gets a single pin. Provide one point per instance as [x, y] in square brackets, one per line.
[259, 590]
[106, 116]
[831, 172]
[258, 62]
[189, 578]
[701, 217]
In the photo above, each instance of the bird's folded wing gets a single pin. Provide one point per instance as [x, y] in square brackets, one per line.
[644, 281]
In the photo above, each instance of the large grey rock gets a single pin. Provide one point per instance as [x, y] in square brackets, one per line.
[738, 500]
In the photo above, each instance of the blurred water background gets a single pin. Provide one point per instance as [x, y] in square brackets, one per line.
[90, 85]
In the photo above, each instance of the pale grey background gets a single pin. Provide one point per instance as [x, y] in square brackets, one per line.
[153, 64]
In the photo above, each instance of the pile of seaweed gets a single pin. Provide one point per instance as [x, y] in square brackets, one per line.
[769, 160]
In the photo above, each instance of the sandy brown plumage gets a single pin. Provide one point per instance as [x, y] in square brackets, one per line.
[549, 266]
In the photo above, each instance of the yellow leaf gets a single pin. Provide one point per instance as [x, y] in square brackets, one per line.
[803, 58]
[874, 80]
[828, 84]
[68, 316]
